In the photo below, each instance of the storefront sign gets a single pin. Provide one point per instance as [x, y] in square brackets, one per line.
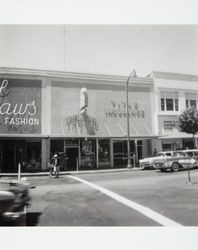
[170, 124]
[119, 109]
[20, 106]
[82, 124]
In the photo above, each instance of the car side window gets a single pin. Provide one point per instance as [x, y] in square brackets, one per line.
[168, 154]
[190, 154]
[195, 153]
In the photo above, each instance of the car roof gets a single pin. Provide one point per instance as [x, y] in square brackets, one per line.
[189, 150]
[162, 152]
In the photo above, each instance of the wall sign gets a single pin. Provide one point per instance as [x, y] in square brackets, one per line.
[82, 124]
[20, 106]
[119, 109]
[170, 124]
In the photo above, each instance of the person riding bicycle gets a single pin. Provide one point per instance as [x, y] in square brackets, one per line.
[55, 163]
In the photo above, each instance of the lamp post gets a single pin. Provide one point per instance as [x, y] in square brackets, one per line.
[132, 75]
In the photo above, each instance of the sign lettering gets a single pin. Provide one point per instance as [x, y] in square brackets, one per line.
[119, 110]
[18, 110]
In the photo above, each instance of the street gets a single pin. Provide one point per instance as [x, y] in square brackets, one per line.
[67, 201]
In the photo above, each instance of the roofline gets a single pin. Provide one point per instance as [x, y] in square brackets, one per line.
[173, 76]
[73, 75]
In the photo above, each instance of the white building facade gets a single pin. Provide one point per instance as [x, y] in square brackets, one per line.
[173, 94]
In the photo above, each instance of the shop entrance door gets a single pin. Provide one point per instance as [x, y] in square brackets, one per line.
[72, 156]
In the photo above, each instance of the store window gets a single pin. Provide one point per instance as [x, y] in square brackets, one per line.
[169, 101]
[88, 152]
[191, 100]
[120, 152]
[167, 146]
[32, 161]
[104, 151]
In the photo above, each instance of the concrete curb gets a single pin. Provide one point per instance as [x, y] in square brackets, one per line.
[40, 174]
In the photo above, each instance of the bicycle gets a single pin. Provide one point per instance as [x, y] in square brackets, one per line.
[54, 171]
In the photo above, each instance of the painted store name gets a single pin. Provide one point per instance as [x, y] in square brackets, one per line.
[119, 110]
[21, 110]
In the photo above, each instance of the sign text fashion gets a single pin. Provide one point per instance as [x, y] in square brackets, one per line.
[19, 106]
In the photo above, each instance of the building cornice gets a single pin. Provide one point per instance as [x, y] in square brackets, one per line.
[174, 76]
[146, 81]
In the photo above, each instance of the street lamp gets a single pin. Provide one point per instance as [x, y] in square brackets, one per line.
[132, 75]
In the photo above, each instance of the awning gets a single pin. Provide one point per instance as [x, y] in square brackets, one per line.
[175, 134]
[112, 129]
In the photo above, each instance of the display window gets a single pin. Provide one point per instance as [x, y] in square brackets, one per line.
[88, 152]
[26, 152]
[104, 151]
[32, 161]
[120, 152]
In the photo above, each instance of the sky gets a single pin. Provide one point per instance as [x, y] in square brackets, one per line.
[101, 49]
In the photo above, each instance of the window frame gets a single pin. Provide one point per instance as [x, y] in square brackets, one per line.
[189, 98]
[165, 97]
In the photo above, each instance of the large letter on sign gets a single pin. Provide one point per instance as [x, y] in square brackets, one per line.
[83, 100]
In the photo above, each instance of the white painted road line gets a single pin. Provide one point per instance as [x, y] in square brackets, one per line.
[164, 221]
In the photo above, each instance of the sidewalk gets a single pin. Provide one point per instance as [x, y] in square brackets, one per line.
[70, 172]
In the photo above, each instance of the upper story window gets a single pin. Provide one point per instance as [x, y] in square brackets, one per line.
[191, 100]
[169, 101]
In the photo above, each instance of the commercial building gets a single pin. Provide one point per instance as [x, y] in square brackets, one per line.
[82, 116]
[173, 94]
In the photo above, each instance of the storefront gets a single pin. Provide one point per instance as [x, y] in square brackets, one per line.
[170, 136]
[174, 93]
[80, 116]
[20, 124]
[88, 122]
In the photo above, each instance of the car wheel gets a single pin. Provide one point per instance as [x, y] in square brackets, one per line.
[175, 167]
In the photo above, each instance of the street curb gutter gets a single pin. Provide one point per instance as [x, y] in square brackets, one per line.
[41, 174]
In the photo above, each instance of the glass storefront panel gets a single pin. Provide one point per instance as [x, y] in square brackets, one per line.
[87, 153]
[188, 144]
[120, 152]
[27, 152]
[12, 152]
[32, 161]
[104, 151]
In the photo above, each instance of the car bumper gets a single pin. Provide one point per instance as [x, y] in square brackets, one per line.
[147, 166]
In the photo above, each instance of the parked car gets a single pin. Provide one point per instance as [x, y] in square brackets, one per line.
[148, 163]
[14, 197]
[180, 160]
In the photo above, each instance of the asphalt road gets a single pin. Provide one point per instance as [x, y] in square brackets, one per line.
[69, 202]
